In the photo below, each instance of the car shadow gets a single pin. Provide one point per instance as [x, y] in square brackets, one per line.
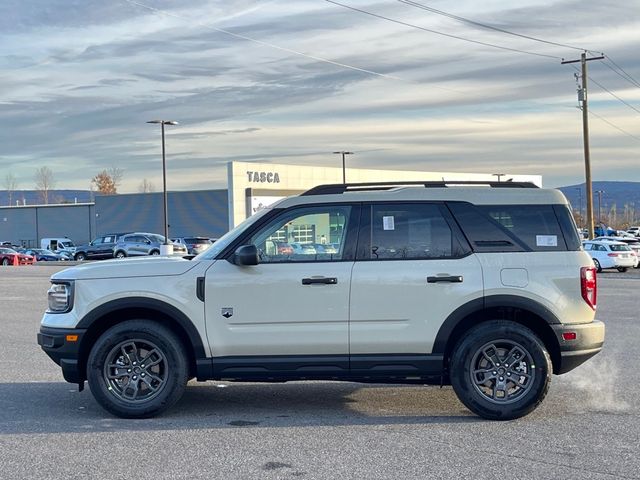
[59, 408]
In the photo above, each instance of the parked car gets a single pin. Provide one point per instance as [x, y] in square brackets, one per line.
[194, 245]
[137, 244]
[325, 248]
[303, 248]
[61, 245]
[493, 294]
[8, 257]
[43, 255]
[607, 254]
[275, 248]
[99, 248]
[633, 243]
[635, 231]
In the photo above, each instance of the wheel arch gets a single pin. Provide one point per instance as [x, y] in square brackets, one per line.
[524, 311]
[114, 312]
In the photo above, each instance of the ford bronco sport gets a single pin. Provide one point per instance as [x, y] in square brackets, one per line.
[481, 286]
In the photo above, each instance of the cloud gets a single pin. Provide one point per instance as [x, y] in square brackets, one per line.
[81, 78]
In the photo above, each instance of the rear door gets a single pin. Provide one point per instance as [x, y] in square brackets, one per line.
[413, 270]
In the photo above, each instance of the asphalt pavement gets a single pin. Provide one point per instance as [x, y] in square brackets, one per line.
[587, 428]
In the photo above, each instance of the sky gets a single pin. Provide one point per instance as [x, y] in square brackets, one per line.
[291, 82]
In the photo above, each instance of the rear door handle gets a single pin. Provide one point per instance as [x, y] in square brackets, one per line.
[445, 278]
[320, 280]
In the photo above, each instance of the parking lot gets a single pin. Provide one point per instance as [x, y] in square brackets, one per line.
[588, 426]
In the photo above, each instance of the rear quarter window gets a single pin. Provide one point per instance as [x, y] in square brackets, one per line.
[517, 228]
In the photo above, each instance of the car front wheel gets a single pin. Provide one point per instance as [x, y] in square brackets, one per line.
[120, 254]
[622, 269]
[137, 369]
[500, 370]
[80, 257]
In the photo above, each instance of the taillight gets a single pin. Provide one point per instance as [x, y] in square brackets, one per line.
[589, 285]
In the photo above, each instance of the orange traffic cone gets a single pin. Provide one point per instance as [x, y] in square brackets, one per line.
[16, 262]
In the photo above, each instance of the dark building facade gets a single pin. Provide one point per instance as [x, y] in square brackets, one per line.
[203, 212]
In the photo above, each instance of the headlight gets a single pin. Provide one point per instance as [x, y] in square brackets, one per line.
[60, 297]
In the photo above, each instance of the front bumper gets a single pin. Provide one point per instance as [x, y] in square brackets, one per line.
[589, 338]
[61, 347]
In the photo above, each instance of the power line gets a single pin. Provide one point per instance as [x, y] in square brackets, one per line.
[614, 95]
[484, 25]
[619, 71]
[267, 44]
[613, 125]
[608, 91]
[382, 17]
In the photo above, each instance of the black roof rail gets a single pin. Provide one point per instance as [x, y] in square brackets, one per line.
[338, 188]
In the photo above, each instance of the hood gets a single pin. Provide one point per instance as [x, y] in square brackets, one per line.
[127, 267]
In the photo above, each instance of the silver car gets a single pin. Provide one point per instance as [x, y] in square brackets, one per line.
[138, 244]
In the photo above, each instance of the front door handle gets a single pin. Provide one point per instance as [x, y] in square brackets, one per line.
[445, 278]
[320, 280]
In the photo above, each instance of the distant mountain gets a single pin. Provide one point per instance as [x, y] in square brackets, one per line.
[625, 196]
[32, 197]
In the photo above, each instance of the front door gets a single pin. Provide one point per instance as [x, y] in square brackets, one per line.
[289, 314]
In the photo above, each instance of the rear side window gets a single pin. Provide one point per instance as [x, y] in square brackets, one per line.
[516, 228]
[412, 232]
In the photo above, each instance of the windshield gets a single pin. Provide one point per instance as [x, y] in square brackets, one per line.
[222, 243]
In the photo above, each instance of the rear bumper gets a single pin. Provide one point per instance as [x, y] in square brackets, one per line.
[589, 338]
[64, 351]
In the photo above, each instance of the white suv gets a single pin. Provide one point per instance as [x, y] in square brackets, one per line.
[483, 286]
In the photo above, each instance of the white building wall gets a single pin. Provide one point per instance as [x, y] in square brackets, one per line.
[270, 179]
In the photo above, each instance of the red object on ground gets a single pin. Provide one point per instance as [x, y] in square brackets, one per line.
[16, 261]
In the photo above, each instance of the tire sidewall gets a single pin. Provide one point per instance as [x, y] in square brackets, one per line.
[460, 367]
[177, 368]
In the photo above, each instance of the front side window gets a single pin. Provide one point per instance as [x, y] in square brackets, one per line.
[303, 235]
[411, 231]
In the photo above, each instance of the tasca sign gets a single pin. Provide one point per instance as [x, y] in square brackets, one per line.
[263, 177]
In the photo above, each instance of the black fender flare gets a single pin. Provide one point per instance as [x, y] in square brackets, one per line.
[151, 304]
[481, 304]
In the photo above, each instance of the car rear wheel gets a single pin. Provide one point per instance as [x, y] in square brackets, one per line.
[5, 262]
[137, 369]
[622, 269]
[597, 264]
[120, 254]
[500, 370]
[154, 252]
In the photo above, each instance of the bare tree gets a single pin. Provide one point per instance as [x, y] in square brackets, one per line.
[44, 183]
[10, 185]
[146, 186]
[116, 175]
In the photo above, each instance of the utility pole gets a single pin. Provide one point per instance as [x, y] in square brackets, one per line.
[582, 97]
[600, 192]
[580, 205]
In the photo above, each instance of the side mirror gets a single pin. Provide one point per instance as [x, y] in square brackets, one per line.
[246, 255]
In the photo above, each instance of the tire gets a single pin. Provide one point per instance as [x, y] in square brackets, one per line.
[5, 262]
[622, 269]
[80, 257]
[597, 264]
[120, 254]
[480, 392]
[154, 252]
[118, 355]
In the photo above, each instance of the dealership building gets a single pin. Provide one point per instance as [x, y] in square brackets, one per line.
[209, 213]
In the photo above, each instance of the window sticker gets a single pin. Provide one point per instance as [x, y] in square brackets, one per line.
[388, 223]
[546, 240]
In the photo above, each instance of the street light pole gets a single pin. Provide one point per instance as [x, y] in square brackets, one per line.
[167, 246]
[344, 168]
